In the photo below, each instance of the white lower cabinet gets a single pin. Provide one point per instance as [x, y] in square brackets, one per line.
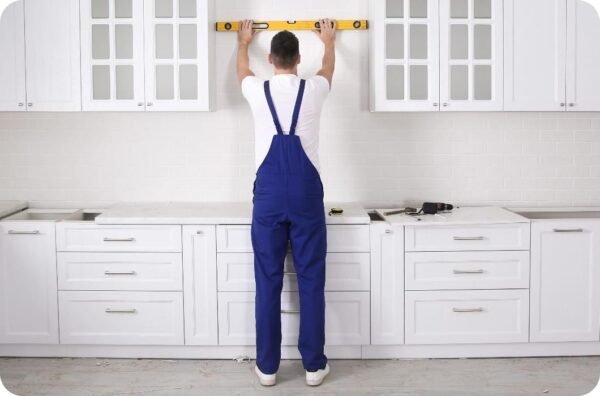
[200, 285]
[346, 318]
[565, 281]
[121, 318]
[28, 307]
[467, 316]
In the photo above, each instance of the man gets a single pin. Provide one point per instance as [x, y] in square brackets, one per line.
[288, 196]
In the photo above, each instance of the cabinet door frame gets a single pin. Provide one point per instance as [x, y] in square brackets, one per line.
[87, 62]
[379, 63]
[496, 104]
[12, 65]
[38, 55]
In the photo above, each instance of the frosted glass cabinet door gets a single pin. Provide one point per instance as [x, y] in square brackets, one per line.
[535, 55]
[52, 55]
[112, 36]
[177, 52]
[404, 57]
[583, 57]
[12, 61]
[471, 49]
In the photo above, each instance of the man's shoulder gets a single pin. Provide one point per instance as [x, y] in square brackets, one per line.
[251, 84]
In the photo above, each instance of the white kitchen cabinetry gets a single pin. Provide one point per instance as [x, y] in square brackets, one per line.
[28, 289]
[200, 285]
[12, 62]
[583, 56]
[471, 55]
[535, 48]
[147, 55]
[565, 281]
[52, 55]
[387, 284]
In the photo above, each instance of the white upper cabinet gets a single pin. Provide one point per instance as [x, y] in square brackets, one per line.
[112, 37]
[146, 55]
[583, 56]
[12, 61]
[471, 55]
[52, 55]
[404, 55]
[534, 49]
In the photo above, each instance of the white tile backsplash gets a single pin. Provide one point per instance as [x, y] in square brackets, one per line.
[512, 159]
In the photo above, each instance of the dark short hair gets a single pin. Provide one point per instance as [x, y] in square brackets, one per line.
[285, 50]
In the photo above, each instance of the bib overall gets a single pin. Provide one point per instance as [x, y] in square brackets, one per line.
[288, 206]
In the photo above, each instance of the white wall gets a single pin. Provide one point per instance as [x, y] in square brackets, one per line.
[529, 159]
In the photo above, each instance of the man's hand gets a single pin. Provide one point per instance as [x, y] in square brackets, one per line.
[246, 32]
[327, 36]
[245, 36]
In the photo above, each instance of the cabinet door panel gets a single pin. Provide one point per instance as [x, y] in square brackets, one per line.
[12, 62]
[565, 281]
[52, 55]
[583, 56]
[535, 55]
[471, 55]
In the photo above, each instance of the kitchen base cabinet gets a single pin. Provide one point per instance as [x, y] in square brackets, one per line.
[346, 318]
[28, 287]
[565, 281]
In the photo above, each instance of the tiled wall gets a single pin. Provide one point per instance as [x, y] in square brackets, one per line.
[513, 159]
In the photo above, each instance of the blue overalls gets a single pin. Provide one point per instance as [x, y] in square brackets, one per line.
[288, 206]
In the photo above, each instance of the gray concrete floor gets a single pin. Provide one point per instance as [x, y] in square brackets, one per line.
[573, 376]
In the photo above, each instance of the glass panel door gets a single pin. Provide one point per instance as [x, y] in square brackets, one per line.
[410, 54]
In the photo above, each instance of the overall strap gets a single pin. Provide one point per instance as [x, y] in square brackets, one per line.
[272, 108]
[297, 107]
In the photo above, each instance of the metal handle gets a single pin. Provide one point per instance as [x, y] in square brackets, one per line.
[34, 232]
[140, 104]
[479, 271]
[199, 232]
[21, 104]
[436, 104]
[565, 230]
[290, 273]
[475, 238]
[290, 311]
[571, 104]
[119, 239]
[389, 232]
[129, 311]
[29, 104]
[563, 104]
[149, 104]
[445, 104]
[479, 309]
[119, 273]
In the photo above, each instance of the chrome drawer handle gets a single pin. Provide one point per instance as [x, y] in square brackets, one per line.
[290, 311]
[571, 230]
[34, 232]
[475, 238]
[290, 273]
[119, 273]
[479, 271]
[127, 311]
[468, 309]
[389, 232]
[199, 232]
[119, 239]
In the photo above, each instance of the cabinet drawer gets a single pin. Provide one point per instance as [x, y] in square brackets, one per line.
[345, 272]
[467, 270]
[474, 316]
[101, 238]
[468, 237]
[120, 271]
[121, 318]
[340, 239]
[346, 318]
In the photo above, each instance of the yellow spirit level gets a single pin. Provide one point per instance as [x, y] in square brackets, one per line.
[359, 24]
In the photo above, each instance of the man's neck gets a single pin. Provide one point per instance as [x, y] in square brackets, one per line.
[286, 71]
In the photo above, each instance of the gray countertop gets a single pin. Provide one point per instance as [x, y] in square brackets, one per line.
[9, 207]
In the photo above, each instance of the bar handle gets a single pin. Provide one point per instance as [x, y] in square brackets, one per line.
[34, 232]
[467, 238]
[290, 311]
[106, 239]
[120, 273]
[127, 311]
[568, 230]
[479, 309]
[479, 271]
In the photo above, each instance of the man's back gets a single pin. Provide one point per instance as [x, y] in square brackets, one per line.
[284, 89]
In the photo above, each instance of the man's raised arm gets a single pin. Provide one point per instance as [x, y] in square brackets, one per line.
[327, 36]
[245, 36]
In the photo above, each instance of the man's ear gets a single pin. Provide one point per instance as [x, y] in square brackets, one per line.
[299, 59]
[270, 58]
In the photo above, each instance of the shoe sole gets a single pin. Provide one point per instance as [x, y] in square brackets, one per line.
[264, 382]
[317, 383]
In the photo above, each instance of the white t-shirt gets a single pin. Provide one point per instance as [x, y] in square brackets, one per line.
[284, 90]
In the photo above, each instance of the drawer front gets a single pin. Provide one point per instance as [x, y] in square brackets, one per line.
[467, 270]
[474, 316]
[121, 318]
[346, 318]
[345, 272]
[101, 238]
[340, 239]
[120, 271]
[467, 238]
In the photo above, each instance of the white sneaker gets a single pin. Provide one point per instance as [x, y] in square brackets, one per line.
[316, 378]
[265, 379]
